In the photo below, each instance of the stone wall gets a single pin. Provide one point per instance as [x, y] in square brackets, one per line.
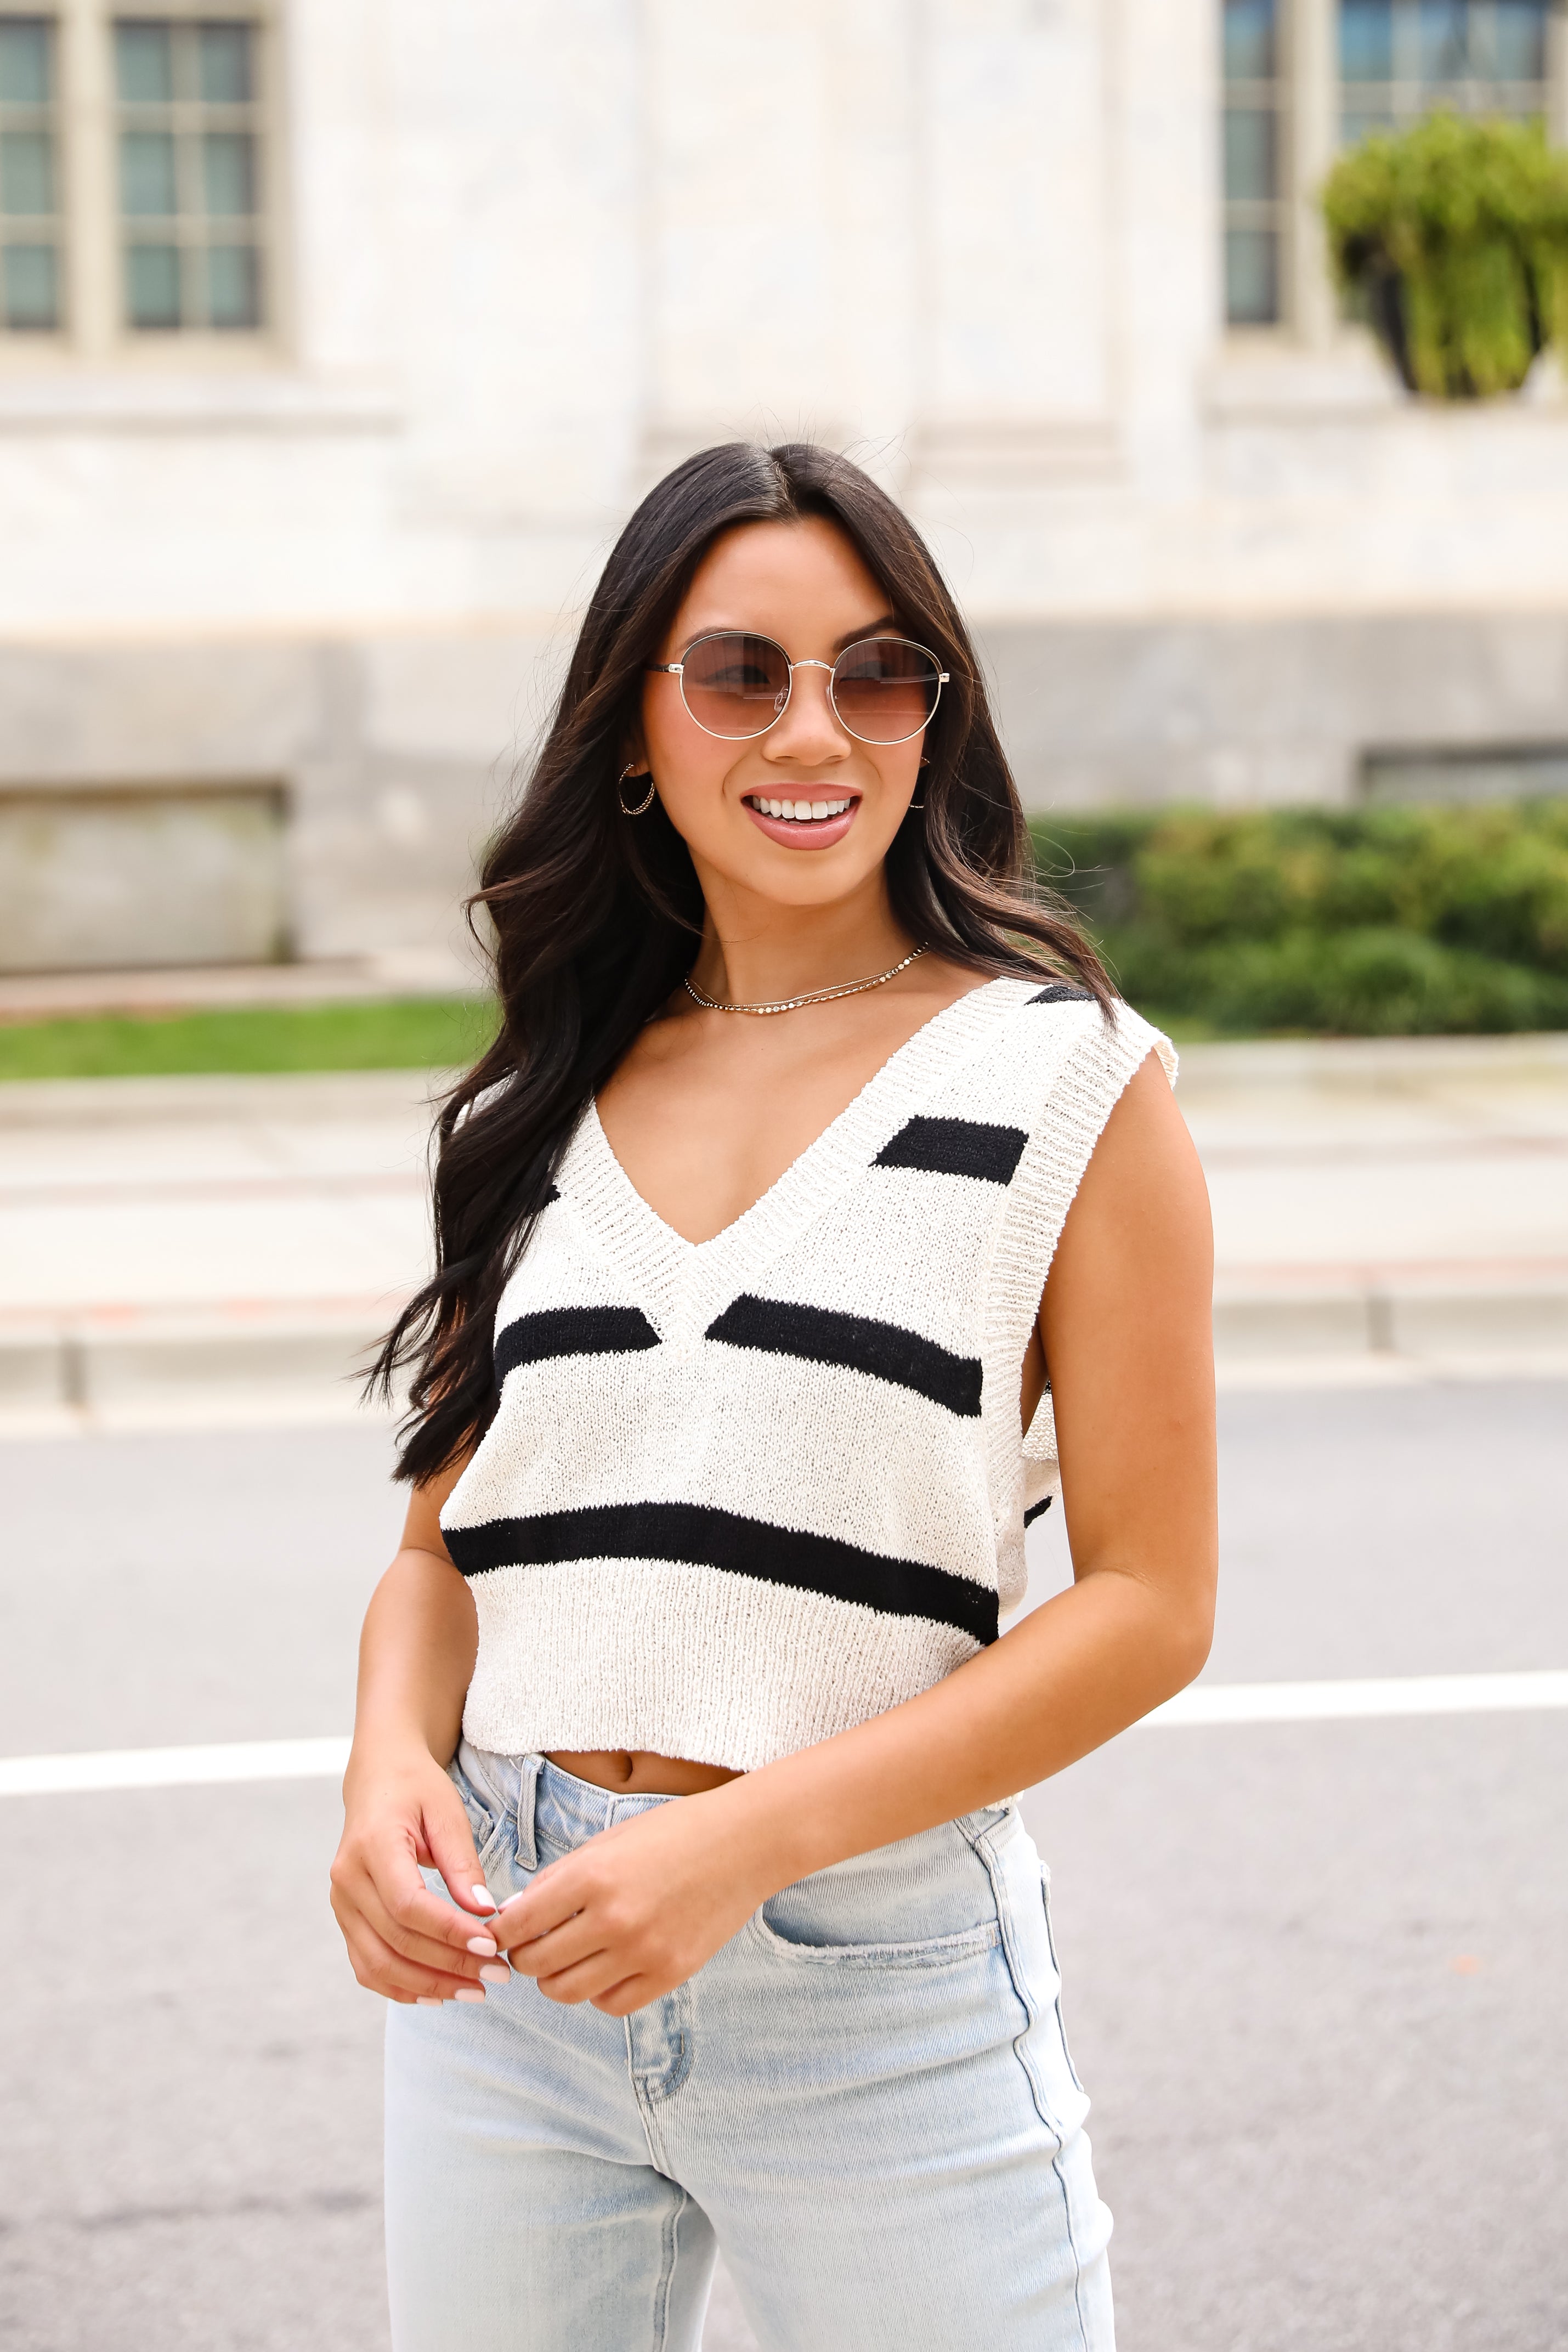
[537, 254]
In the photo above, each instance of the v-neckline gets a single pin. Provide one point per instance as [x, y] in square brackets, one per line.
[685, 1283]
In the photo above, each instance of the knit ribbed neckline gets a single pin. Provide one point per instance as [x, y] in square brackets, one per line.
[684, 1284]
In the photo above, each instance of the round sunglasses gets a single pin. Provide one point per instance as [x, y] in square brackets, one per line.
[737, 686]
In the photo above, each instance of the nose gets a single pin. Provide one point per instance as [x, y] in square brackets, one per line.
[809, 731]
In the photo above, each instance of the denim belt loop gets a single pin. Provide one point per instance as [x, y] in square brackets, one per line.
[529, 1770]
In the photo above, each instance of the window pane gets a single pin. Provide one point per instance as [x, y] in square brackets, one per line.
[1356, 127]
[1252, 277]
[25, 75]
[1366, 40]
[147, 173]
[31, 287]
[1443, 39]
[233, 286]
[27, 171]
[1250, 151]
[1519, 40]
[1250, 40]
[152, 285]
[228, 171]
[225, 75]
[193, 168]
[144, 65]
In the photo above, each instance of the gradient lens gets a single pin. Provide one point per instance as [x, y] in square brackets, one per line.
[735, 685]
[885, 689]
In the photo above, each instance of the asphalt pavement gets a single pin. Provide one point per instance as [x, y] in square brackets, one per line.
[1313, 1971]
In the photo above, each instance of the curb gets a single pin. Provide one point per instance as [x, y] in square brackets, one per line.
[177, 1365]
[1419, 1320]
[185, 1363]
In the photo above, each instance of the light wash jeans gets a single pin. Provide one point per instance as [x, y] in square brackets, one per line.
[865, 2098]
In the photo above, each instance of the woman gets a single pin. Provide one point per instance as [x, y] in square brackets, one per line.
[730, 1407]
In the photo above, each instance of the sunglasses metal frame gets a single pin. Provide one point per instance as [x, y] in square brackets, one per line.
[677, 669]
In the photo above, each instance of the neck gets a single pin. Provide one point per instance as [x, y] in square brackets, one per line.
[765, 952]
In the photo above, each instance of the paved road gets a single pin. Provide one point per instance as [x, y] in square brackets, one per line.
[1314, 1971]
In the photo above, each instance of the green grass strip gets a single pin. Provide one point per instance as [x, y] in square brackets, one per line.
[397, 1033]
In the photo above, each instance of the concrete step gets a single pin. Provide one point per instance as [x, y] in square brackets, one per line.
[144, 1368]
[1522, 1314]
[245, 1363]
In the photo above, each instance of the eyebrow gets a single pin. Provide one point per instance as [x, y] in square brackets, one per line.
[866, 629]
[851, 637]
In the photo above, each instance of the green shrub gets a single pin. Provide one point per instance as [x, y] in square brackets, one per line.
[1453, 237]
[1372, 922]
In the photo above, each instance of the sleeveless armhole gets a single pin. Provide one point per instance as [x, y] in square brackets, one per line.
[1079, 1099]
[482, 1101]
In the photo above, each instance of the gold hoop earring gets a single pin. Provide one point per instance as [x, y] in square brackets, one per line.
[643, 805]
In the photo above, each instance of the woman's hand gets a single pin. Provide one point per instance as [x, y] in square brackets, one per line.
[401, 1810]
[637, 1910]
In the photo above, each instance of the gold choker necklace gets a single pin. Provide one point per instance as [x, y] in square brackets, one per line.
[816, 996]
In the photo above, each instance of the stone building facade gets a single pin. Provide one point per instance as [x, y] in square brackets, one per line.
[337, 337]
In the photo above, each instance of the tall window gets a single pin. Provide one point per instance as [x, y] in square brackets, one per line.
[190, 174]
[1304, 77]
[138, 181]
[31, 290]
[1399, 60]
[1256, 134]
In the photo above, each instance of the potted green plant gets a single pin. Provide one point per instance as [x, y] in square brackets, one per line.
[1453, 238]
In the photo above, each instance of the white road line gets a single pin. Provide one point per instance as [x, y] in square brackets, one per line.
[172, 1767]
[1341, 1702]
[1206, 1703]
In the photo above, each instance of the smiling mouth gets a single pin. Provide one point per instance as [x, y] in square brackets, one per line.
[799, 812]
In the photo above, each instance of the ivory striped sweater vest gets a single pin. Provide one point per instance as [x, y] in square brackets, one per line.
[741, 1494]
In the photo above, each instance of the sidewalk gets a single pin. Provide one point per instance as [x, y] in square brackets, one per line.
[193, 1246]
[1400, 1201]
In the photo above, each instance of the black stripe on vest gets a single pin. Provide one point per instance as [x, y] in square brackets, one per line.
[706, 1537]
[1037, 1510]
[1057, 993]
[571, 1331]
[819, 1335]
[956, 1147]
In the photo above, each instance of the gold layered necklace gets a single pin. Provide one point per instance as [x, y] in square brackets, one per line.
[814, 996]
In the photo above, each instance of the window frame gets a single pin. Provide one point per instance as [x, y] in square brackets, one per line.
[54, 225]
[1272, 95]
[94, 331]
[1311, 88]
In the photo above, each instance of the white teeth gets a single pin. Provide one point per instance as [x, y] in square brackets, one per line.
[799, 812]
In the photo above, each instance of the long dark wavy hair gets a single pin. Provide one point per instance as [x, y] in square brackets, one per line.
[596, 919]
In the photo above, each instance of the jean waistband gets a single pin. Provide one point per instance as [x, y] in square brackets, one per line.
[544, 1801]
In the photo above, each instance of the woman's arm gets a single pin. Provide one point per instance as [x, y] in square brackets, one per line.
[416, 1656]
[1125, 1326]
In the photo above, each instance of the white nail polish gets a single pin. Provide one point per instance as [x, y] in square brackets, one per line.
[428, 2000]
[469, 1992]
[496, 1973]
[483, 1897]
[484, 1945]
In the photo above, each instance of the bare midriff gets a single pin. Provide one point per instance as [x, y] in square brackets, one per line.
[634, 1772]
